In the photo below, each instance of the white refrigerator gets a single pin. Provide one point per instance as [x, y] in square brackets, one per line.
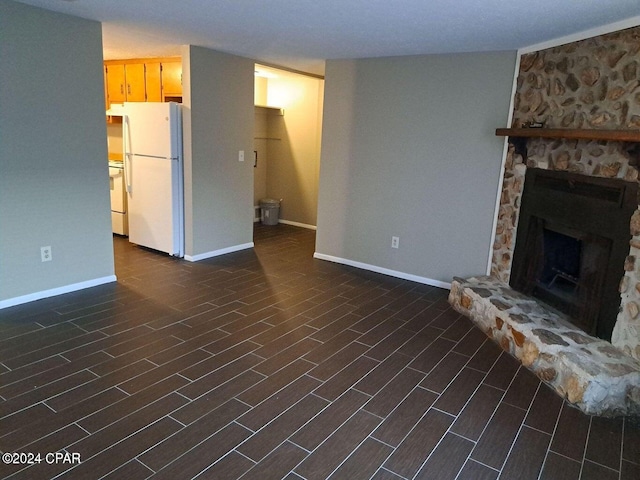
[153, 169]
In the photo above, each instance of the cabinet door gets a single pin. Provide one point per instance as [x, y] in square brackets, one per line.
[152, 82]
[171, 78]
[115, 84]
[135, 89]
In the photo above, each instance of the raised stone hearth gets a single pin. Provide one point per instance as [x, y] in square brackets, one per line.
[590, 373]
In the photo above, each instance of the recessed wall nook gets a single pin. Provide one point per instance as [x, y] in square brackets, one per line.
[563, 294]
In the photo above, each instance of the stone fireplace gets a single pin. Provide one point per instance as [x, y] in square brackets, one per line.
[571, 244]
[564, 291]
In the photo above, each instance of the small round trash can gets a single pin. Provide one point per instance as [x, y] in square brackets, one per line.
[269, 211]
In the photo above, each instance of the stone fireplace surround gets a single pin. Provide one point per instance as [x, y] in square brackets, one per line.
[590, 84]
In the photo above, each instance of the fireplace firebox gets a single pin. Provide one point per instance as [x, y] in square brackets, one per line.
[571, 244]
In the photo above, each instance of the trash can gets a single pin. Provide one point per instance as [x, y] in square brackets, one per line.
[269, 211]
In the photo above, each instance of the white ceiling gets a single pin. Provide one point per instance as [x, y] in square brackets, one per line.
[301, 34]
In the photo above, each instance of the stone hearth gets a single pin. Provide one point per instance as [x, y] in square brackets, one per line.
[590, 373]
[589, 84]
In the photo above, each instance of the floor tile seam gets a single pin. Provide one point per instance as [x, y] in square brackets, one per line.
[454, 377]
[41, 372]
[235, 449]
[244, 340]
[272, 420]
[522, 423]
[280, 337]
[435, 447]
[484, 428]
[130, 413]
[179, 372]
[469, 459]
[386, 383]
[220, 385]
[274, 394]
[329, 404]
[184, 342]
[284, 366]
[515, 439]
[44, 400]
[383, 469]
[145, 345]
[30, 352]
[355, 449]
[117, 387]
[620, 450]
[292, 470]
[603, 466]
[175, 459]
[285, 440]
[74, 422]
[106, 450]
[103, 376]
[625, 425]
[383, 338]
[415, 424]
[339, 371]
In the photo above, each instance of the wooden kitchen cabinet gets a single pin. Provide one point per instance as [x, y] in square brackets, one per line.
[171, 80]
[143, 80]
[125, 82]
[153, 81]
[134, 74]
[115, 82]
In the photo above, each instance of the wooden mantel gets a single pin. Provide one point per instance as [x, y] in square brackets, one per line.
[570, 133]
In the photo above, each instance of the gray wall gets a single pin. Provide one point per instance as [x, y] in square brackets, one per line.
[218, 188]
[409, 149]
[54, 187]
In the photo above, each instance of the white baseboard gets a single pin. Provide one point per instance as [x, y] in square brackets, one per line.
[384, 271]
[298, 224]
[217, 253]
[11, 302]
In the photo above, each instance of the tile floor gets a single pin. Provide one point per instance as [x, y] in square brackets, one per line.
[268, 364]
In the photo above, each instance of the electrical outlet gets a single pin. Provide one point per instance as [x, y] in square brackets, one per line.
[395, 242]
[45, 254]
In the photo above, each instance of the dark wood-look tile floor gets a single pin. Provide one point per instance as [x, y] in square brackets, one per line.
[268, 364]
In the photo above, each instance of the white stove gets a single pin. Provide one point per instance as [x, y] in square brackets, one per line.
[119, 221]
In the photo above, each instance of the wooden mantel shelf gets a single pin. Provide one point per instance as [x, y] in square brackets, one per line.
[569, 133]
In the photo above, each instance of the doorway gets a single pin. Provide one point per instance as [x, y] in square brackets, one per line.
[287, 137]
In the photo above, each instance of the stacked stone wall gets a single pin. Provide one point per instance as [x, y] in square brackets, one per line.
[590, 84]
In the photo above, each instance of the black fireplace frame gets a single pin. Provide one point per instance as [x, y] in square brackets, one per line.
[584, 207]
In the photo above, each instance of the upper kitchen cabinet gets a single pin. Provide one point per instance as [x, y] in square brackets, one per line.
[153, 81]
[143, 80]
[172, 81]
[125, 82]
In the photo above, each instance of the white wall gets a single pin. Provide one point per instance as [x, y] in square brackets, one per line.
[409, 150]
[54, 187]
[218, 123]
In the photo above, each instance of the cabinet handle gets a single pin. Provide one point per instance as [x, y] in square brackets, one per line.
[129, 88]
[121, 89]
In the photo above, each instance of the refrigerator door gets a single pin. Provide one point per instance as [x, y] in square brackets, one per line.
[153, 213]
[152, 129]
[153, 174]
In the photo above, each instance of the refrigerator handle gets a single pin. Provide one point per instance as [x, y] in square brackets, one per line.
[126, 147]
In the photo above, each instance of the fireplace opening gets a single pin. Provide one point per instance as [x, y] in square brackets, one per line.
[566, 269]
[561, 266]
[572, 240]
